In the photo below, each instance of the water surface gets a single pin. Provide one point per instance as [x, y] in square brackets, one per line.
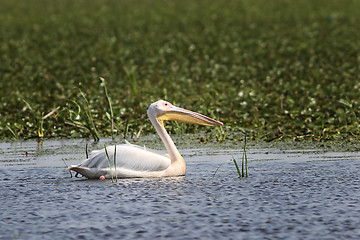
[290, 194]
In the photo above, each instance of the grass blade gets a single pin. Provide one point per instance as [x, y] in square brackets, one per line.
[90, 119]
[115, 164]
[67, 167]
[245, 156]
[237, 167]
[12, 132]
[126, 128]
[86, 151]
[219, 167]
[107, 155]
[110, 106]
[246, 167]
[242, 164]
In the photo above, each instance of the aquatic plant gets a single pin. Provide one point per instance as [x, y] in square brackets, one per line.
[14, 134]
[244, 163]
[86, 151]
[126, 128]
[116, 178]
[130, 74]
[67, 168]
[261, 68]
[237, 168]
[244, 172]
[111, 115]
[83, 117]
[38, 119]
[221, 134]
[107, 155]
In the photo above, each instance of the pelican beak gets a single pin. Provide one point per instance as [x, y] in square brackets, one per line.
[186, 116]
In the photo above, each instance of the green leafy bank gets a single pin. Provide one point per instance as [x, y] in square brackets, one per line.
[277, 69]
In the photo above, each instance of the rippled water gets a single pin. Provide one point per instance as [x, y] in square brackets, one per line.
[290, 194]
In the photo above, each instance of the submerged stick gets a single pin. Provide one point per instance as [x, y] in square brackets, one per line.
[75, 125]
[51, 113]
[138, 134]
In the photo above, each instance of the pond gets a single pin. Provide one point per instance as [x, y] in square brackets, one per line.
[290, 194]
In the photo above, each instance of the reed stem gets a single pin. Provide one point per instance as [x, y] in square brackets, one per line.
[107, 155]
[115, 164]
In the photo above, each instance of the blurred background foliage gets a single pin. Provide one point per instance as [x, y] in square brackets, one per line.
[279, 69]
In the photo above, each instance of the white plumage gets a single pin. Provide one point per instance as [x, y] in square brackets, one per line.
[135, 161]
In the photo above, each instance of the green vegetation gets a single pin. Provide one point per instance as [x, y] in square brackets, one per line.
[109, 162]
[279, 69]
[244, 172]
[107, 155]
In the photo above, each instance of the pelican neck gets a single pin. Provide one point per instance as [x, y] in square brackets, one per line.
[166, 139]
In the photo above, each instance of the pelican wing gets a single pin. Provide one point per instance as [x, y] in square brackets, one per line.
[128, 156]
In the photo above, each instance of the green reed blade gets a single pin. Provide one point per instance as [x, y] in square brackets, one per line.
[115, 164]
[86, 151]
[67, 167]
[237, 167]
[110, 106]
[219, 167]
[107, 155]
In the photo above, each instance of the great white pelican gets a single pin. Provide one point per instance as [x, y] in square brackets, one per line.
[135, 161]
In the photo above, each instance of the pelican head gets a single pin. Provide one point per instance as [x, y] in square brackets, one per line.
[165, 111]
